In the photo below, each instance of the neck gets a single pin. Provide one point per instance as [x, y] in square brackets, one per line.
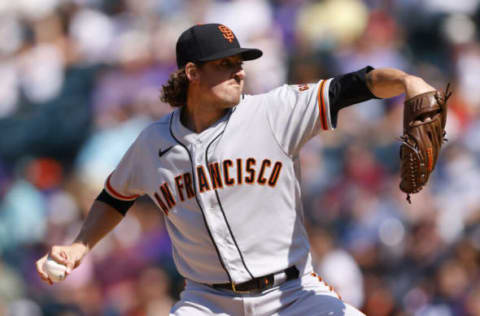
[197, 116]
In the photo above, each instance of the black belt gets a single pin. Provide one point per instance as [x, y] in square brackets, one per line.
[258, 284]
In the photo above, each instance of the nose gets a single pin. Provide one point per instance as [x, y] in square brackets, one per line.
[240, 73]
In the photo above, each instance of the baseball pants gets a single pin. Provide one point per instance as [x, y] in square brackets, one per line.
[304, 296]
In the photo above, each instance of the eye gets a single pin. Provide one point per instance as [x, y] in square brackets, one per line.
[229, 64]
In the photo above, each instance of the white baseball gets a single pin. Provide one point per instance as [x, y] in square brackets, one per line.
[56, 271]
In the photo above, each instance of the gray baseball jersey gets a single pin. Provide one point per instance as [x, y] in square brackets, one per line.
[230, 194]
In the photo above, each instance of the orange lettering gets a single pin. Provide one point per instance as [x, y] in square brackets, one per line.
[250, 163]
[272, 181]
[215, 175]
[202, 180]
[187, 179]
[167, 195]
[178, 182]
[261, 179]
[160, 203]
[227, 164]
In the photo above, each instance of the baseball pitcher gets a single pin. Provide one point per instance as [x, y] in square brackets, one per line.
[224, 170]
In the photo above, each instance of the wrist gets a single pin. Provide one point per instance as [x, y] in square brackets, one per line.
[410, 80]
[414, 86]
[81, 248]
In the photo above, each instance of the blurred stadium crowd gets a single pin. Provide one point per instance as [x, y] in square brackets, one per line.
[81, 78]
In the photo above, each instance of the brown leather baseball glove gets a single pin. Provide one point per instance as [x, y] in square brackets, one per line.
[424, 133]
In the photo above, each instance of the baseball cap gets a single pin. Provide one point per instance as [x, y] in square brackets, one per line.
[207, 42]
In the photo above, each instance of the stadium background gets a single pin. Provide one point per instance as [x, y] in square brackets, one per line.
[81, 78]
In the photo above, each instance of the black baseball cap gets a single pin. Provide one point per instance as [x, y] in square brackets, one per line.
[207, 42]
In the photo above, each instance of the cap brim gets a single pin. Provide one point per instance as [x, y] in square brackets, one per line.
[246, 53]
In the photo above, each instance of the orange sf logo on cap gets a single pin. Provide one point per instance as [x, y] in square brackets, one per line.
[227, 33]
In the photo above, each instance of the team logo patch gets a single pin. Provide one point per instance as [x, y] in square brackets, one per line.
[227, 33]
[303, 87]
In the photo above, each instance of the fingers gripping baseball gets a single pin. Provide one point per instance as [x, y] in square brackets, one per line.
[41, 271]
[59, 263]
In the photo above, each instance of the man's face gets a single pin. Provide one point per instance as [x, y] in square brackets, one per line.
[221, 81]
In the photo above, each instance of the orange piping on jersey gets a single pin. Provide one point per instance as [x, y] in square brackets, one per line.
[118, 195]
[329, 286]
[321, 105]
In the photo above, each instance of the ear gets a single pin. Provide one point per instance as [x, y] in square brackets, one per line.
[191, 71]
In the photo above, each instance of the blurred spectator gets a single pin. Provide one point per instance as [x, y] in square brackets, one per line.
[337, 267]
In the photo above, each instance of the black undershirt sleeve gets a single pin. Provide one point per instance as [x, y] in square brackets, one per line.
[348, 89]
[121, 206]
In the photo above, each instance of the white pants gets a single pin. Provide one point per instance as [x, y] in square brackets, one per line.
[305, 296]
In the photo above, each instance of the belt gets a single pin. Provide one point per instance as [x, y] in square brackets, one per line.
[260, 283]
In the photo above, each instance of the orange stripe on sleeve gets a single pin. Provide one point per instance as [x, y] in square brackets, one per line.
[118, 195]
[321, 105]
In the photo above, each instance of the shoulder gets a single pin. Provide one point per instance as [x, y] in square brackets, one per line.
[267, 94]
[157, 130]
[249, 105]
[286, 94]
[261, 98]
[289, 91]
[257, 103]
